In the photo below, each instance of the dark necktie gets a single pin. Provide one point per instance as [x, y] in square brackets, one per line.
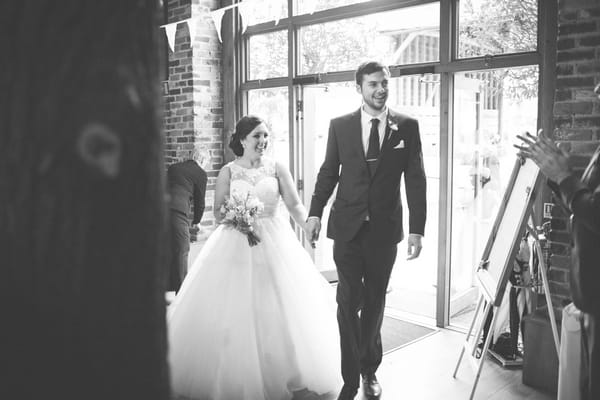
[373, 148]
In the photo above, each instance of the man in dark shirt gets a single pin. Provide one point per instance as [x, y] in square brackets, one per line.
[581, 197]
[187, 185]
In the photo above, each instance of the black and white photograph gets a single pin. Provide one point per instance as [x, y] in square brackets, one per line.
[300, 200]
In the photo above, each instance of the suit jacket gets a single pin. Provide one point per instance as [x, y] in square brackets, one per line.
[359, 194]
[187, 186]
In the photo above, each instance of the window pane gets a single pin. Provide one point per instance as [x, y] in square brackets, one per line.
[259, 11]
[310, 6]
[403, 36]
[413, 283]
[490, 109]
[321, 104]
[272, 106]
[497, 27]
[267, 55]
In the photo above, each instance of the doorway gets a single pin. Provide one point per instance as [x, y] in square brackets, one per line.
[412, 291]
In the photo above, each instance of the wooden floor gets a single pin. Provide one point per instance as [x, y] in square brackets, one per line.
[423, 371]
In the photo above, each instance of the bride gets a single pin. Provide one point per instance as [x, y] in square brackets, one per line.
[254, 322]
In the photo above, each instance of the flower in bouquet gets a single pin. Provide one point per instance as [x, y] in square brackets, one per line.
[240, 212]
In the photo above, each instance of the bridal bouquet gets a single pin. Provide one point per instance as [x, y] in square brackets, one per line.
[240, 212]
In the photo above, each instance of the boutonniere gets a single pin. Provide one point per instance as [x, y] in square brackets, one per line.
[392, 125]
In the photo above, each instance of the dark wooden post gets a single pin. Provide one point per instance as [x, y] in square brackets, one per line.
[82, 208]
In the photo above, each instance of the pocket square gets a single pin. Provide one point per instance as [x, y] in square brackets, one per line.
[399, 145]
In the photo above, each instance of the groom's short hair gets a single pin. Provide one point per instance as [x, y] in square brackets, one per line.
[367, 68]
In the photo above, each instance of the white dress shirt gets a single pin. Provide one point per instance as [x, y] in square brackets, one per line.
[365, 123]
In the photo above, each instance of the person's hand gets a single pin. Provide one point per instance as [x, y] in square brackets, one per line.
[414, 246]
[552, 160]
[312, 229]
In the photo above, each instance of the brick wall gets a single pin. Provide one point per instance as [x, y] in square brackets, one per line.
[576, 117]
[194, 103]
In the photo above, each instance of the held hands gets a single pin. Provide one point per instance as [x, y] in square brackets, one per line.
[312, 229]
[414, 246]
[552, 160]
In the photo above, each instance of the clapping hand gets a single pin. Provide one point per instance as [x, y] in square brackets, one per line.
[552, 160]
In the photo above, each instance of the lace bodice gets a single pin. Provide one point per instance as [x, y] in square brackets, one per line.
[260, 182]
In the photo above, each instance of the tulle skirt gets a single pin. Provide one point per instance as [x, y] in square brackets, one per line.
[253, 323]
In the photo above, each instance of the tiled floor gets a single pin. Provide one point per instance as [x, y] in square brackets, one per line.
[423, 371]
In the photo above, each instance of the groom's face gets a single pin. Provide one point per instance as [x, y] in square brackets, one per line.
[374, 90]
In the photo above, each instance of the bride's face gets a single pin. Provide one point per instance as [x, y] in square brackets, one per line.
[255, 143]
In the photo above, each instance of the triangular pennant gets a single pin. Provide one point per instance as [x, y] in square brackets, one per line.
[274, 11]
[242, 9]
[191, 23]
[310, 6]
[277, 11]
[170, 30]
[217, 17]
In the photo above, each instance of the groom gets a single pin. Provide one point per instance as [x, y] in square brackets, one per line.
[374, 146]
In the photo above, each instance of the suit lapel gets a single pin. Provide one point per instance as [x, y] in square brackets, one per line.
[355, 133]
[386, 147]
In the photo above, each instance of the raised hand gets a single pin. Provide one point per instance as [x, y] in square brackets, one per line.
[552, 160]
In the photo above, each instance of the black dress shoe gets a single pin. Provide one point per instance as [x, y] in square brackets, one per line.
[347, 393]
[371, 387]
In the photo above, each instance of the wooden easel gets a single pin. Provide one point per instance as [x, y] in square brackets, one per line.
[493, 285]
[471, 343]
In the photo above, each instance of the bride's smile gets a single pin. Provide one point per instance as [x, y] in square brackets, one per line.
[256, 142]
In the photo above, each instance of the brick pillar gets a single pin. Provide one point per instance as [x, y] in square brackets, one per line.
[194, 103]
[576, 117]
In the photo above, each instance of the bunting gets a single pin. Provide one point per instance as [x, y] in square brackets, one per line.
[217, 17]
[170, 31]
[191, 23]
[244, 9]
[310, 6]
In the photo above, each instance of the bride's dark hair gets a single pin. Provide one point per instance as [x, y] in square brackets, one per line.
[244, 126]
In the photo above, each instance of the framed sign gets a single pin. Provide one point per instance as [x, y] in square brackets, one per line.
[503, 243]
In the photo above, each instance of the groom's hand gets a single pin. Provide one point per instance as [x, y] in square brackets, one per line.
[414, 246]
[313, 228]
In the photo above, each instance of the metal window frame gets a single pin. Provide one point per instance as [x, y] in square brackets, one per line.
[449, 64]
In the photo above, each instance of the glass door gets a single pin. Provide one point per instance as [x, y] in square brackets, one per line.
[413, 283]
[490, 108]
[319, 104]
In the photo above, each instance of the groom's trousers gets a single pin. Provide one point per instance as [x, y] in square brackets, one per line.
[364, 266]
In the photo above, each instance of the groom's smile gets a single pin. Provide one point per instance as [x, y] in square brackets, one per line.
[374, 91]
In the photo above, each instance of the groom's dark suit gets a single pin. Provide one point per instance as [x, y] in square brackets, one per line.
[365, 251]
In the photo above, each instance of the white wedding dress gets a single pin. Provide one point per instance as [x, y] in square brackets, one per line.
[253, 323]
